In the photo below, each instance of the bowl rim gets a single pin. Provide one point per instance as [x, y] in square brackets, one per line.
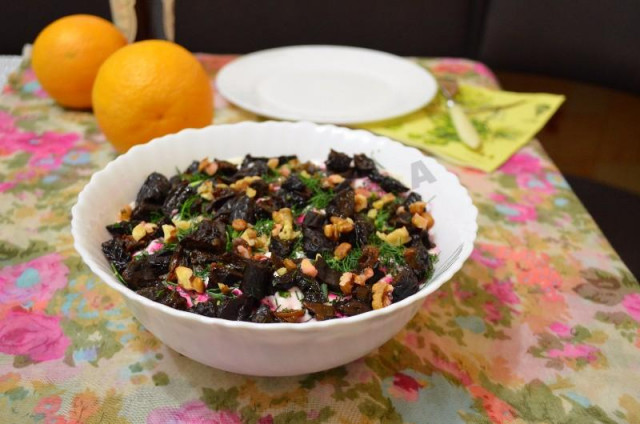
[468, 235]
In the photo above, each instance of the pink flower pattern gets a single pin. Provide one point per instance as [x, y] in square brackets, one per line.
[32, 334]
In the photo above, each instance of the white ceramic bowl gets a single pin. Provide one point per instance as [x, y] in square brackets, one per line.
[272, 349]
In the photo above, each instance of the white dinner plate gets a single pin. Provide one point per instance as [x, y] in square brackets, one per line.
[327, 84]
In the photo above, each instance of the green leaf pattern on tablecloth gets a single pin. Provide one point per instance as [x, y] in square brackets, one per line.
[541, 325]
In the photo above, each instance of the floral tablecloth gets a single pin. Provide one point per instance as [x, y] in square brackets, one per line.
[542, 324]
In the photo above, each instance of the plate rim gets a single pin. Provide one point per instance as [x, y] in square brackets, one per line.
[223, 73]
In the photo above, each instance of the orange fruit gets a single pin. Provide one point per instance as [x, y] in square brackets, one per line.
[67, 54]
[148, 89]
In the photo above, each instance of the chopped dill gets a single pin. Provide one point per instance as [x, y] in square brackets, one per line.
[185, 209]
[156, 217]
[231, 235]
[381, 221]
[117, 273]
[270, 176]
[347, 264]
[263, 226]
[390, 256]
[321, 199]
[183, 233]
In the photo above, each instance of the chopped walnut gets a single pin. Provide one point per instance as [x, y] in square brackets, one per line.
[250, 192]
[180, 224]
[346, 282]
[360, 202]
[205, 190]
[239, 224]
[419, 221]
[381, 294]
[337, 227]
[142, 229]
[273, 163]
[362, 278]
[276, 230]
[417, 207]
[342, 251]
[284, 171]
[400, 209]
[188, 281]
[170, 233]
[307, 268]
[289, 264]
[208, 167]
[125, 213]
[332, 180]
[387, 198]
[243, 183]
[224, 288]
[284, 217]
[397, 237]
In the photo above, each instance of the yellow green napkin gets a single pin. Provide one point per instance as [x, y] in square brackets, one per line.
[504, 120]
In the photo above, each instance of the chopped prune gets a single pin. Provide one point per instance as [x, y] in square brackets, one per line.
[146, 212]
[412, 198]
[419, 260]
[262, 315]
[321, 311]
[253, 166]
[405, 284]
[362, 293]
[363, 164]
[369, 257]
[226, 168]
[145, 270]
[176, 197]
[388, 183]
[289, 315]
[154, 189]
[363, 230]
[121, 228]
[257, 275]
[293, 183]
[314, 220]
[311, 290]
[314, 242]
[342, 204]
[236, 308]
[327, 275]
[280, 248]
[115, 250]
[337, 162]
[285, 281]
[153, 292]
[243, 208]
[210, 236]
[207, 309]
[351, 307]
[173, 299]
[226, 275]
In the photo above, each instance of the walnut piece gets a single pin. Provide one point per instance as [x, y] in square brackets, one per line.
[346, 282]
[142, 229]
[125, 213]
[397, 237]
[342, 251]
[284, 217]
[381, 294]
[239, 224]
[188, 281]
[170, 233]
[360, 202]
